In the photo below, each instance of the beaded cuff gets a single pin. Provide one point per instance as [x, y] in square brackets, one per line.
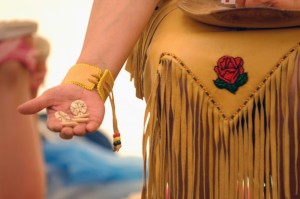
[105, 84]
[91, 77]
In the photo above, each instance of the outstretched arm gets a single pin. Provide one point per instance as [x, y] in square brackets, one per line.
[113, 29]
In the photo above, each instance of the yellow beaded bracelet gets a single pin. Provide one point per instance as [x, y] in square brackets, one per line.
[92, 77]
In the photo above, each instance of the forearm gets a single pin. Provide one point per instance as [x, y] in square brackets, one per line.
[113, 29]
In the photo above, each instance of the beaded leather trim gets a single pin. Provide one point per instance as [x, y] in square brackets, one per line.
[194, 77]
[90, 77]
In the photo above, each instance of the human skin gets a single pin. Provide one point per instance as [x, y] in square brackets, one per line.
[283, 4]
[21, 163]
[22, 166]
[113, 29]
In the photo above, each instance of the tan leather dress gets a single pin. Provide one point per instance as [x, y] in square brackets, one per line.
[223, 115]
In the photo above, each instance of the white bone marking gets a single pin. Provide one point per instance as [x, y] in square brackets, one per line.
[78, 107]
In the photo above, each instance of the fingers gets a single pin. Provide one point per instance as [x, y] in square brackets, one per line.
[66, 133]
[79, 130]
[252, 3]
[281, 4]
[67, 114]
[33, 106]
[52, 123]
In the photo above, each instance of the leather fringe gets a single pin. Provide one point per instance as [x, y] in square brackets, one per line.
[192, 151]
[136, 61]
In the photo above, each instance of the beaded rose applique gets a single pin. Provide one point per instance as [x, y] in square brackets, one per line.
[231, 74]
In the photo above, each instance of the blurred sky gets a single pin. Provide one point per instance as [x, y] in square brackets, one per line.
[63, 24]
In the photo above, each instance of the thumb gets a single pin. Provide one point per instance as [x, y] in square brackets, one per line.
[33, 106]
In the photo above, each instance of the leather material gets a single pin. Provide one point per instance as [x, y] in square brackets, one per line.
[200, 46]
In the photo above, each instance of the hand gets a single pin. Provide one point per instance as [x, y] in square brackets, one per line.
[281, 4]
[59, 98]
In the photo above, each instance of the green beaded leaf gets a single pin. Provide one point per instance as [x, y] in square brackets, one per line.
[241, 80]
[220, 83]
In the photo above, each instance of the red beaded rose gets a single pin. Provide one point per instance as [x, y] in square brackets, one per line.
[230, 73]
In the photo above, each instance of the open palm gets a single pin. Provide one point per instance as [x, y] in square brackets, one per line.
[59, 98]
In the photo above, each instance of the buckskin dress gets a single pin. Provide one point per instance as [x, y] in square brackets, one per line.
[222, 116]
